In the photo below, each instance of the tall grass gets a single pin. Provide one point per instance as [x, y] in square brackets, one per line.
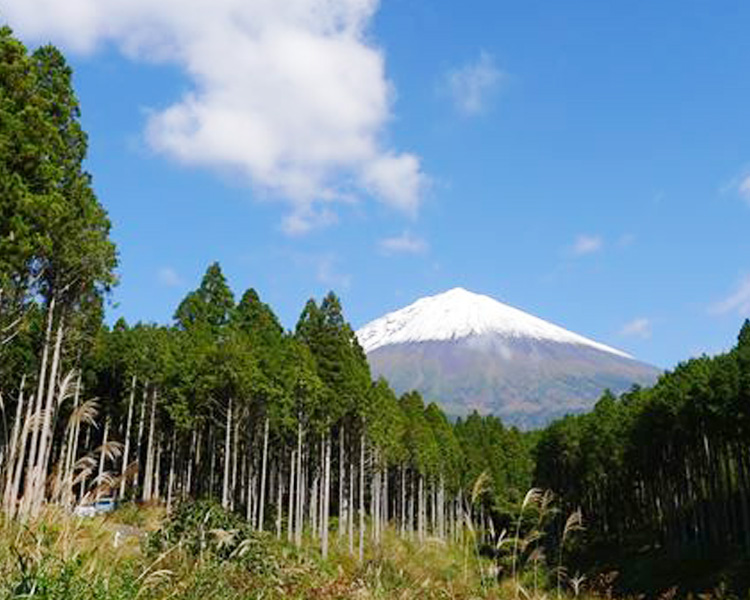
[141, 553]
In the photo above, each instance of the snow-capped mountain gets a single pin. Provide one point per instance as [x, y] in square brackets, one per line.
[468, 351]
[459, 313]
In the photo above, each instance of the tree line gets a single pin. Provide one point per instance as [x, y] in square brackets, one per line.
[667, 466]
[287, 427]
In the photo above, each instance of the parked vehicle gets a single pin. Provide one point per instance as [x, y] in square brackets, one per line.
[91, 509]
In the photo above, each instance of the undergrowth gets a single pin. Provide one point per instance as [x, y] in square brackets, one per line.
[201, 552]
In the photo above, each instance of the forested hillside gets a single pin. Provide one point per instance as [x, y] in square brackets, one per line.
[664, 469]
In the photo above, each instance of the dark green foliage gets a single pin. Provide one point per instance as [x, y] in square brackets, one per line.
[205, 529]
[665, 469]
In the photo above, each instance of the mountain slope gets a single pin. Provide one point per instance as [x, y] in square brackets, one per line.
[470, 352]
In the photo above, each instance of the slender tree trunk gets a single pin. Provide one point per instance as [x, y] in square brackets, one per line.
[102, 456]
[187, 489]
[141, 422]
[36, 426]
[148, 480]
[279, 491]
[45, 441]
[75, 436]
[85, 474]
[326, 497]
[262, 494]
[227, 456]
[376, 491]
[403, 500]
[235, 454]
[412, 494]
[362, 496]
[342, 479]
[350, 508]
[18, 445]
[300, 484]
[314, 508]
[290, 516]
[158, 468]
[386, 496]
[170, 479]
[420, 509]
[126, 449]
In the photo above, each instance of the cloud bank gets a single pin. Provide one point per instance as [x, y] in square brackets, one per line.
[292, 95]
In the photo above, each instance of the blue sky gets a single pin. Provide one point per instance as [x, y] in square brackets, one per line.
[588, 162]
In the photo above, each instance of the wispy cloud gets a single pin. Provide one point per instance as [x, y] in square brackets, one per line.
[639, 327]
[587, 244]
[744, 189]
[328, 273]
[737, 301]
[472, 85]
[406, 243]
[292, 96]
[168, 277]
[626, 240]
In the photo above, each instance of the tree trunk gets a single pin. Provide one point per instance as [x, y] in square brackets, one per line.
[75, 436]
[279, 491]
[342, 479]
[227, 457]
[326, 497]
[18, 445]
[37, 414]
[187, 489]
[262, 494]
[362, 496]
[298, 496]
[126, 449]
[350, 508]
[170, 479]
[235, 453]
[148, 478]
[102, 456]
[45, 441]
[290, 516]
[140, 475]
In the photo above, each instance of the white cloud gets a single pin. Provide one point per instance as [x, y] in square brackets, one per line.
[169, 277]
[744, 189]
[472, 85]
[327, 273]
[292, 95]
[640, 327]
[406, 243]
[626, 240]
[737, 302]
[587, 244]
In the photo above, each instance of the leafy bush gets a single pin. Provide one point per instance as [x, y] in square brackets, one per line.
[206, 530]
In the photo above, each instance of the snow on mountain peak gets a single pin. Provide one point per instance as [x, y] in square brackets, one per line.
[459, 313]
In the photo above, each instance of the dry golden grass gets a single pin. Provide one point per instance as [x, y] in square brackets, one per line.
[107, 561]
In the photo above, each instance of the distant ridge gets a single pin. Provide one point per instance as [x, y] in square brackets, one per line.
[470, 352]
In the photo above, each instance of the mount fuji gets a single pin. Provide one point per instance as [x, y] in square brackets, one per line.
[468, 352]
